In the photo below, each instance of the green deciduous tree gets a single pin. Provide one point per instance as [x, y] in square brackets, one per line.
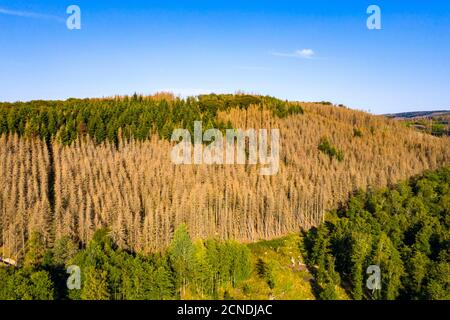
[95, 285]
[181, 255]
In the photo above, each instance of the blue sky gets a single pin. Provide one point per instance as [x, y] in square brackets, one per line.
[300, 50]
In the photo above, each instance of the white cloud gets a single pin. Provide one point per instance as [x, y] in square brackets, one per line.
[28, 14]
[303, 53]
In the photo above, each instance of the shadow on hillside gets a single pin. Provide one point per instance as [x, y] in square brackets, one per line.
[305, 247]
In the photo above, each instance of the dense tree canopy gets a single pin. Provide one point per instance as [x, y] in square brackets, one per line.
[128, 117]
[404, 230]
[133, 187]
[108, 272]
[130, 187]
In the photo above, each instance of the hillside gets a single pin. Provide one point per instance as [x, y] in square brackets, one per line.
[436, 123]
[72, 167]
[210, 269]
[404, 230]
[418, 114]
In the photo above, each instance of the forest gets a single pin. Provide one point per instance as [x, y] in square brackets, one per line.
[70, 168]
[126, 117]
[405, 230]
[111, 273]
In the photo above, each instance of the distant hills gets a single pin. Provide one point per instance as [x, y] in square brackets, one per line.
[418, 114]
[432, 122]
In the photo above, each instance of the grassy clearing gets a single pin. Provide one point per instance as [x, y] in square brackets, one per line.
[279, 273]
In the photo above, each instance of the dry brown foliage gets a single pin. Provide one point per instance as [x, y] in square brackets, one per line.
[142, 196]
